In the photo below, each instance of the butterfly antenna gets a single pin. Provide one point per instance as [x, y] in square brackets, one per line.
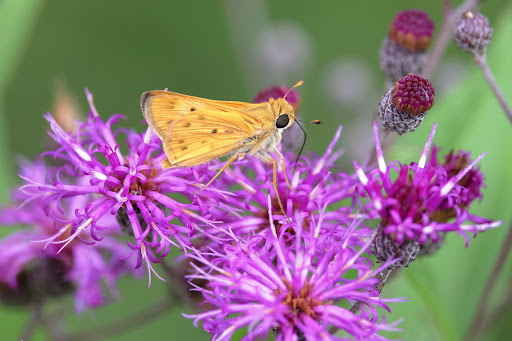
[301, 148]
[304, 142]
[299, 83]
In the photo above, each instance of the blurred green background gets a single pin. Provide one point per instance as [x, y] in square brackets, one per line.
[229, 50]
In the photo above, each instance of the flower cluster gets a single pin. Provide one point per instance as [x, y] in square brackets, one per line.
[291, 281]
[304, 279]
[424, 201]
[316, 183]
[133, 188]
[31, 272]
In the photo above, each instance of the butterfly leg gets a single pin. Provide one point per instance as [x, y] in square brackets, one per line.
[284, 168]
[267, 158]
[230, 161]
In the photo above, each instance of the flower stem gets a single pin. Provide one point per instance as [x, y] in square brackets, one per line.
[481, 60]
[33, 322]
[383, 277]
[499, 312]
[115, 328]
[178, 287]
[444, 37]
[477, 325]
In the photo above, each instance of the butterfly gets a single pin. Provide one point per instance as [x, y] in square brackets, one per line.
[196, 130]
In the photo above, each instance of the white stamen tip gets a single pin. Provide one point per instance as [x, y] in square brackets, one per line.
[99, 176]
[147, 137]
[82, 153]
[360, 174]
[424, 154]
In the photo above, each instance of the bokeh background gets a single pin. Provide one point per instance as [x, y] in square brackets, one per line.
[229, 50]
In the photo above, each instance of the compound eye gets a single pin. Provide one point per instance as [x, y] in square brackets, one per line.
[282, 121]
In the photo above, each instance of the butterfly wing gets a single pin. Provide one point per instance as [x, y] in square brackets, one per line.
[196, 130]
[161, 108]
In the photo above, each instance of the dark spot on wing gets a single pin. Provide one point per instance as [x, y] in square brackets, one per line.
[181, 141]
[184, 148]
[186, 125]
[192, 109]
[203, 141]
[214, 131]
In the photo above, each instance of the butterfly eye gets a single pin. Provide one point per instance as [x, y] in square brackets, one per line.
[282, 121]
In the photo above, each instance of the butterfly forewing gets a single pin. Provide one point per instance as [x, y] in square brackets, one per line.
[161, 108]
[200, 137]
[196, 130]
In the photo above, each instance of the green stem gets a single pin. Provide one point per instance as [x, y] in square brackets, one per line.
[481, 60]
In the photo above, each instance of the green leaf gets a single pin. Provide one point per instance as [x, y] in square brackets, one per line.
[17, 18]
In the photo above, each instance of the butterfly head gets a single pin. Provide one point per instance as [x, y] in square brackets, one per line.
[284, 113]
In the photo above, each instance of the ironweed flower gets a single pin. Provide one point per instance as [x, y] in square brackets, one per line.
[316, 182]
[454, 162]
[290, 281]
[133, 187]
[420, 205]
[30, 272]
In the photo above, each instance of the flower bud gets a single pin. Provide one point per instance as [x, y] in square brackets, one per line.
[405, 105]
[472, 32]
[403, 51]
[412, 29]
[385, 247]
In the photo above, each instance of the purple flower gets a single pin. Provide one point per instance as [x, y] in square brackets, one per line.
[473, 181]
[317, 184]
[133, 187]
[32, 272]
[422, 201]
[290, 281]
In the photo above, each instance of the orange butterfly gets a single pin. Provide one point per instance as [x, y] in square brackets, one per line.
[196, 130]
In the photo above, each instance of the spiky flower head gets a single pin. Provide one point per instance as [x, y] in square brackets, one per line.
[131, 186]
[420, 203]
[31, 272]
[405, 105]
[292, 282]
[472, 32]
[455, 162]
[317, 183]
[412, 29]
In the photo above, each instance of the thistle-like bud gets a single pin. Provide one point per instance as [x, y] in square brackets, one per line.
[385, 247]
[412, 29]
[45, 278]
[472, 32]
[403, 52]
[405, 105]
